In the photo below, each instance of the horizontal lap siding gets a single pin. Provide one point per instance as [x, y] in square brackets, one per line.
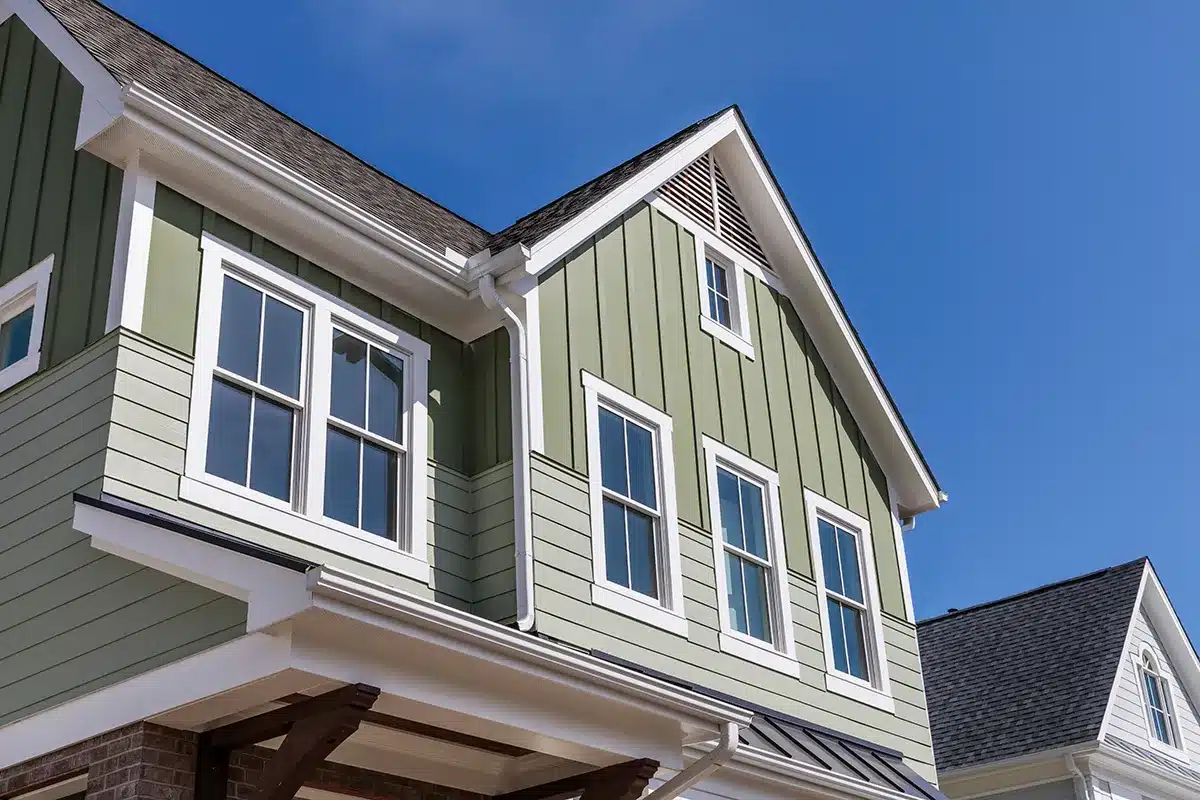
[74, 619]
[626, 307]
[563, 577]
[53, 200]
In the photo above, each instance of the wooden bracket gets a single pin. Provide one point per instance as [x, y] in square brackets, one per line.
[625, 781]
[313, 728]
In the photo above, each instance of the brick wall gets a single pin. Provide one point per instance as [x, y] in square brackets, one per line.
[150, 762]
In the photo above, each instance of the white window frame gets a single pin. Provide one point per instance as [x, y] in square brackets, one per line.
[666, 612]
[780, 653]
[303, 517]
[876, 692]
[1178, 750]
[30, 289]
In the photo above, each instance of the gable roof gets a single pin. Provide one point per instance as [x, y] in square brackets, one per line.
[132, 54]
[1027, 673]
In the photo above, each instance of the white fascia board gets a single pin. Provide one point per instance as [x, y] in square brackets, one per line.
[916, 490]
[272, 593]
[210, 672]
[391, 608]
[102, 104]
[793, 775]
[1114, 689]
[407, 250]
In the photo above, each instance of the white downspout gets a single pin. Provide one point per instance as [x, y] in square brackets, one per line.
[702, 767]
[1083, 791]
[518, 342]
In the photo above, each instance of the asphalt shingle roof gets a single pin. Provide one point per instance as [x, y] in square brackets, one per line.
[1027, 673]
[132, 54]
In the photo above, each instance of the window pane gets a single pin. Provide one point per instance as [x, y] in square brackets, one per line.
[228, 433]
[758, 616]
[856, 642]
[829, 556]
[838, 634]
[271, 456]
[241, 312]
[1152, 690]
[851, 580]
[341, 477]
[731, 508]
[713, 299]
[612, 452]
[643, 570]
[387, 394]
[379, 491]
[348, 393]
[616, 557]
[755, 523]
[1162, 730]
[720, 278]
[710, 279]
[641, 465]
[722, 312]
[14, 338]
[283, 334]
[736, 594]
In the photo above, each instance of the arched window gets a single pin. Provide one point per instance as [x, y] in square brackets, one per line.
[1156, 693]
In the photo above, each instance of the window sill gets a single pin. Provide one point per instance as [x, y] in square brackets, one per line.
[762, 654]
[860, 691]
[1167, 750]
[374, 550]
[647, 611]
[19, 370]
[729, 337]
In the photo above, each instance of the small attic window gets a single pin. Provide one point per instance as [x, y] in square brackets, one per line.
[1156, 695]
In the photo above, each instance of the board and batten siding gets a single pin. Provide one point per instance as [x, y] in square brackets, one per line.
[53, 200]
[72, 618]
[626, 308]
[470, 396]
[1128, 720]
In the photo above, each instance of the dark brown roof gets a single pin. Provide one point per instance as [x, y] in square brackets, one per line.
[537, 225]
[133, 54]
[1028, 673]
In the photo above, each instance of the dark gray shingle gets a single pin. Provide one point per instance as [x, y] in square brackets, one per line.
[1027, 673]
[133, 54]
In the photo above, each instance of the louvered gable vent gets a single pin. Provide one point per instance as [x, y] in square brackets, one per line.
[701, 191]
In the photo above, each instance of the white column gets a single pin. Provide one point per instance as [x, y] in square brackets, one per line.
[131, 260]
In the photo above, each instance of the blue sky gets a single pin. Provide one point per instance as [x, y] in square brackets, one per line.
[1005, 196]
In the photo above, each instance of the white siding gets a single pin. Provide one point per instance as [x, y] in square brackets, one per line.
[1128, 720]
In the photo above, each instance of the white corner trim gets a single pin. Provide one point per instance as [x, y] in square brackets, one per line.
[818, 507]
[303, 516]
[131, 260]
[639, 608]
[219, 669]
[29, 289]
[102, 103]
[1114, 690]
[780, 654]
[533, 332]
[901, 556]
[596, 393]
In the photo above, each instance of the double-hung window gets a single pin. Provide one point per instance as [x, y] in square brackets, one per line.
[635, 546]
[847, 594]
[308, 416]
[22, 313]
[755, 611]
[716, 278]
[1156, 697]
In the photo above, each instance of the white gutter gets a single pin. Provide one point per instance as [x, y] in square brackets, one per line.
[518, 342]
[700, 769]
[1082, 790]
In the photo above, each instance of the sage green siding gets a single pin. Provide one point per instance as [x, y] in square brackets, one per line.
[53, 200]
[626, 307]
[73, 619]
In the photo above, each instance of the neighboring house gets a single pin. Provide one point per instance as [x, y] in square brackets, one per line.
[308, 484]
[1081, 690]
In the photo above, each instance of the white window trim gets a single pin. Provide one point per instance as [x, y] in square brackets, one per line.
[781, 654]
[29, 289]
[1179, 752]
[878, 691]
[668, 611]
[409, 555]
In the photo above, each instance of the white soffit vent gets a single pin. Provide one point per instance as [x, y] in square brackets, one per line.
[701, 191]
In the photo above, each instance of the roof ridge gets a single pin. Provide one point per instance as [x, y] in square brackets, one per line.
[1037, 590]
[282, 113]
